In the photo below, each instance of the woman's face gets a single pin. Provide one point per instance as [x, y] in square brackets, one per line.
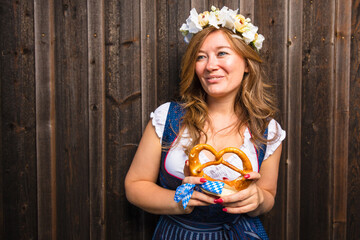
[219, 68]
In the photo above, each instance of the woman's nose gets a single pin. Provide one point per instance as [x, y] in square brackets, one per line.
[212, 63]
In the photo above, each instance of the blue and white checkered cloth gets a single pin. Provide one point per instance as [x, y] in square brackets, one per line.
[184, 192]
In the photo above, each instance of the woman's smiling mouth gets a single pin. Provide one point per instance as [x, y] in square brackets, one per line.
[213, 79]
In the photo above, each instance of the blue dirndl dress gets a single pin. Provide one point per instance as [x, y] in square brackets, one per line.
[208, 222]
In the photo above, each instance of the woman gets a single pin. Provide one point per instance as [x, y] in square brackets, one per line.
[225, 104]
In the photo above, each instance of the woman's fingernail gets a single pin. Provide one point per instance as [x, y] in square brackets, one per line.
[224, 209]
[186, 162]
[203, 180]
[219, 200]
[246, 176]
[225, 178]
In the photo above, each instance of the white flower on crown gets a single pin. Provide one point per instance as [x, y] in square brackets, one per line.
[259, 41]
[191, 26]
[241, 23]
[204, 18]
[228, 17]
[222, 18]
[249, 35]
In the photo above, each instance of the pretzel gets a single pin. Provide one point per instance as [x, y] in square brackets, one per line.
[197, 169]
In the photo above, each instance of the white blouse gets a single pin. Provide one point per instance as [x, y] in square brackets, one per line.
[176, 157]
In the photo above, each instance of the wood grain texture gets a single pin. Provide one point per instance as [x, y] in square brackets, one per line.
[270, 17]
[341, 118]
[199, 5]
[72, 120]
[96, 105]
[148, 59]
[353, 189]
[317, 121]
[45, 118]
[247, 8]
[232, 4]
[293, 115]
[123, 115]
[162, 51]
[18, 149]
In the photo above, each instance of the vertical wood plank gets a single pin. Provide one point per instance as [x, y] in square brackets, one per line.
[169, 19]
[247, 8]
[123, 114]
[112, 43]
[183, 13]
[270, 17]
[175, 15]
[18, 132]
[162, 51]
[72, 120]
[232, 4]
[149, 84]
[1, 170]
[341, 118]
[317, 119]
[45, 118]
[294, 98]
[148, 58]
[199, 5]
[96, 75]
[353, 206]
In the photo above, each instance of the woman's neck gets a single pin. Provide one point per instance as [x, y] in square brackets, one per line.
[220, 106]
[221, 114]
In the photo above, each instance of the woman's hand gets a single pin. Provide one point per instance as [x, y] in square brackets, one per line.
[246, 200]
[197, 198]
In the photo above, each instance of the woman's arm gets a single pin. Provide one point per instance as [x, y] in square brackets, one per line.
[140, 182]
[259, 197]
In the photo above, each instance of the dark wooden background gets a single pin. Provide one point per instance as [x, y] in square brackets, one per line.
[80, 78]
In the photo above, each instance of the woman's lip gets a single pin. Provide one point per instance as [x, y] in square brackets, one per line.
[213, 78]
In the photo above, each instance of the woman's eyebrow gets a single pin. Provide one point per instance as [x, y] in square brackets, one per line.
[217, 48]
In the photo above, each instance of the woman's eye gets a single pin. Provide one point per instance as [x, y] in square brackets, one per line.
[222, 53]
[200, 57]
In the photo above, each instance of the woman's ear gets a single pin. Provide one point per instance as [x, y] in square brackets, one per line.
[246, 70]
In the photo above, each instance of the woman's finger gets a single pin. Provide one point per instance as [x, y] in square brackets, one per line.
[249, 193]
[203, 197]
[252, 200]
[186, 168]
[252, 176]
[196, 202]
[194, 180]
[239, 210]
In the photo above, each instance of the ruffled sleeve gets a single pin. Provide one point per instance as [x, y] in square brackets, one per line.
[159, 118]
[274, 129]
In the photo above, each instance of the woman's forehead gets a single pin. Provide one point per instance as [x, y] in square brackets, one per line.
[216, 39]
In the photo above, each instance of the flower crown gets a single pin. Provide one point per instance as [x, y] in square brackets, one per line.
[241, 26]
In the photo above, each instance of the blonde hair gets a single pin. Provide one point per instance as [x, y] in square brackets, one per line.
[254, 105]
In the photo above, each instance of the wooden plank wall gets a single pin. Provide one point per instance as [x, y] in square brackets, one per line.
[80, 78]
